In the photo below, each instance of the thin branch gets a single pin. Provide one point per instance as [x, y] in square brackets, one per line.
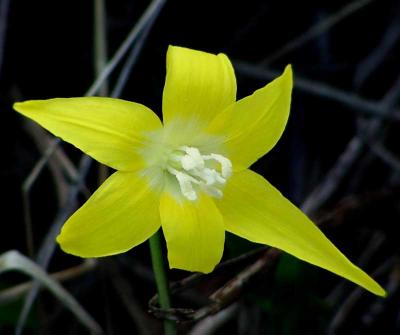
[151, 11]
[212, 323]
[376, 241]
[323, 191]
[317, 29]
[14, 261]
[385, 155]
[222, 297]
[37, 169]
[100, 43]
[123, 289]
[378, 307]
[344, 311]
[47, 248]
[392, 95]
[100, 61]
[16, 292]
[26, 187]
[379, 52]
[132, 58]
[61, 167]
[4, 8]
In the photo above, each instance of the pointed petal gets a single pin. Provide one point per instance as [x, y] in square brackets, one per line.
[252, 126]
[252, 208]
[197, 87]
[112, 131]
[194, 232]
[121, 214]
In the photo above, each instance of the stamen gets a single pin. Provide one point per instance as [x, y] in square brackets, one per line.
[185, 183]
[226, 164]
[191, 171]
[192, 159]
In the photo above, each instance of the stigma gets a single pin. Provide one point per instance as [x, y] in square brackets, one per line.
[196, 172]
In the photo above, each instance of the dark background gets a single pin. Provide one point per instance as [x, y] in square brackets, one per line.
[344, 65]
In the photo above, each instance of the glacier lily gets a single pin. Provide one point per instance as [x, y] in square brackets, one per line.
[188, 174]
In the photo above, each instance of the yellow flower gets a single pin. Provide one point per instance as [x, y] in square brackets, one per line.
[189, 174]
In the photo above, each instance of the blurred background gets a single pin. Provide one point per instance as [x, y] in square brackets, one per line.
[338, 160]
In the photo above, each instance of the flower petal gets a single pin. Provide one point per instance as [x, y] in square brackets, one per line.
[252, 208]
[121, 214]
[197, 87]
[194, 232]
[252, 126]
[112, 131]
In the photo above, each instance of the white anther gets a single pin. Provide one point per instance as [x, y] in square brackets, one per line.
[206, 174]
[226, 165]
[192, 159]
[185, 183]
[213, 177]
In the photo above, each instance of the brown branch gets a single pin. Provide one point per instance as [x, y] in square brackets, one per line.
[222, 297]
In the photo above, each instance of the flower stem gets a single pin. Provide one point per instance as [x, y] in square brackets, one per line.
[161, 279]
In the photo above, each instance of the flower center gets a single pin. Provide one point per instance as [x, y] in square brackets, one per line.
[195, 171]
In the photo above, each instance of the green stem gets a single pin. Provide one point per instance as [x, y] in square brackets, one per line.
[161, 279]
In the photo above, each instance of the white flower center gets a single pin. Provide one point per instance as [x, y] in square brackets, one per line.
[195, 172]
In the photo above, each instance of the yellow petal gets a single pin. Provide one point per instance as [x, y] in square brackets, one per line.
[194, 232]
[121, 214]
[252, 208]
[197, 87]
[252, 126]
[112, 131]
